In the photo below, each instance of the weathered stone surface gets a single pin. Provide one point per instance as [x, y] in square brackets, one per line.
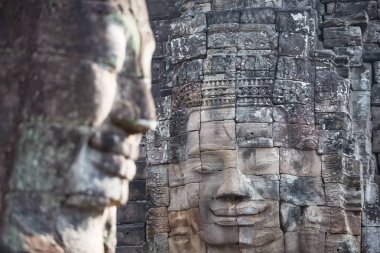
[184, 223]
[300, 163]
[295, 136]
[342, 243]
[371, 52]
[253, 37]
[338, 195]
[361, 77]
[223, 249]
[290, 217]
[312, 241]
[157, 153]
[219, 61]
[347, 8]
[376, 71]
[218, 93]
[213, 161]
[262, 3]
[222, 36]
[261, 63]
[258, 161]
[331, 92]
[220, 17]
[375, 94]
[188, 25]
[335, 142]
[255, 135]
[131, 234]
[258, 15]
[267, 218]
[186, 96]
[261, 240]
[163, 107]
[354, 53]
[254, 92]
[264, 187]
[286, 92]
[191, 243]
[371, 34]
[227, 4]
[305, 241]
[217, 135]
[157, 221]
[297, 4]
[157, 196]
[370, 242]
[183, 121]
[159, 243]
[252, 113]
[217, 235]
[292, 21]
[300, 44]
[340, 169]
[333, 121]
[342, 36]
[137, 191]
[294, 114]
[345, 222]
[157, 176]
[302, 190]
[185, 172]
[184, 197]
[296, 69]
[133, 212]
[129, 249]
[213, 114]
[188, 47]
[317, 218]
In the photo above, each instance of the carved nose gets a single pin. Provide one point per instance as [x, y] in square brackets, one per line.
[135, 111]
[234, 185]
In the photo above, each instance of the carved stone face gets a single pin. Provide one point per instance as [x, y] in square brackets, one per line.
[86, 103]
[255, 135]
[234, 193]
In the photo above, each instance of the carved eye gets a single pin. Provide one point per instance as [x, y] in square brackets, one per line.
[205, 169]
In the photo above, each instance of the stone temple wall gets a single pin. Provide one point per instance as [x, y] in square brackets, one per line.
[269, 129]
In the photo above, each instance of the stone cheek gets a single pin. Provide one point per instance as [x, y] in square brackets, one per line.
[303, 191]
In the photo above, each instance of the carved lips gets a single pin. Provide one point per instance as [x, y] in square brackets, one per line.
[228, 214]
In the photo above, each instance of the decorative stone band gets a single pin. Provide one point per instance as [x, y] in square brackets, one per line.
[186, 96]
[254, 92]
[217, 93]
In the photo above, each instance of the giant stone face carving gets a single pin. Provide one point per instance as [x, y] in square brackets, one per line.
[78, 77]
[263, 152]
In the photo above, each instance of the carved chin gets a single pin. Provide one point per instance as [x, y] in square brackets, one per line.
[92, 187]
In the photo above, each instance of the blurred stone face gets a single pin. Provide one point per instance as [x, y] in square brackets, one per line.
[92, 79]
[87, 102]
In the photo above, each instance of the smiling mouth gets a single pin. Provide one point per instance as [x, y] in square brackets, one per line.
[243, 213]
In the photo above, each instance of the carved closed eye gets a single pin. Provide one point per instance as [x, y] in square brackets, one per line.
[259, 166]
[206, 169]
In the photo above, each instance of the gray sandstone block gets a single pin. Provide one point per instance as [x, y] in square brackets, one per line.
[302, 191]
[293, 21]
[342, 36]
[131, 235]
[257, 36]
[294, 44]
[188, 47]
